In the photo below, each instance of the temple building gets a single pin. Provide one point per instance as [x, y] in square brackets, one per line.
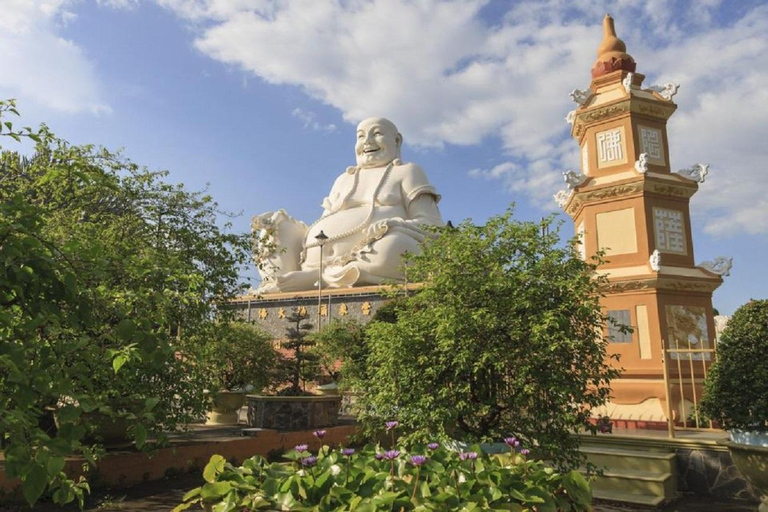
[628, 204]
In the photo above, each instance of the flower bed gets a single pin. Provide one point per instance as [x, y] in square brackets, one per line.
[423, 478]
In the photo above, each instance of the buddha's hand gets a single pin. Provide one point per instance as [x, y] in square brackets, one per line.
[379, 228]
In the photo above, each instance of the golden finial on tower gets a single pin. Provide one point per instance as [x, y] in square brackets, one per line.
[612, 53]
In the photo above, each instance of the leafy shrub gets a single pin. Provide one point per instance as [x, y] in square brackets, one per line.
[101, 261]
[736, 389]
[341, 349]
[235, 355]
[426, 478]
[505, 335]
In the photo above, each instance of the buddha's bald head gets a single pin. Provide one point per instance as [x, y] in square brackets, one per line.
[378, 142]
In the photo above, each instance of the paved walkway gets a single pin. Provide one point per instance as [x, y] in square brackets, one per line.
[162, 496]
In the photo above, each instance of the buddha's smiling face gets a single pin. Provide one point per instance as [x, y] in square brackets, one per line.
[378, 143]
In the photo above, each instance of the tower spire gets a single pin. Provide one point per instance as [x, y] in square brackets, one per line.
[612, 53]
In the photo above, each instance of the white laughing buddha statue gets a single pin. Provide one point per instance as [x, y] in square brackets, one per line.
[373, 214]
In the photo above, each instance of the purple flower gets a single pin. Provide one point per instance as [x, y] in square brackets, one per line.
[468, 455]
[301, 447]
[433, 446]
[391, 424]
[348, 452]
[391, 454]
[525, 451]
[511, 441]
[309, 461]
[319, 434]
[379, 456]
[418, 460]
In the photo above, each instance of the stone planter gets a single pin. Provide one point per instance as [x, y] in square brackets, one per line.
[226, 408]
[293, 412]
[752, 462]
[109, 430]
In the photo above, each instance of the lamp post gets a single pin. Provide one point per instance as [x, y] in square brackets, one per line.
[321, 239]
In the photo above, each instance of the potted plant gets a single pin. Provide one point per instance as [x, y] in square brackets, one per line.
[238, 358]
[736, 392]
[293, 407]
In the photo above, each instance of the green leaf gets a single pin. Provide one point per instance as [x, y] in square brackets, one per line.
[191, 494]
[215, 490]
[151, 402]
[34, 483]
[140, 435]
[214, 467]
[55, 465]
[184, 506]
[577, 487]
[118, 362]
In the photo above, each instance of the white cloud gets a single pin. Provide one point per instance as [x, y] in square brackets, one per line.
[40, 66]
[119, 4]
[446, 76]
[309, 120]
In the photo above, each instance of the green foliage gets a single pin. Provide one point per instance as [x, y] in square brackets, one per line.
[736, 389]
[504, 336]
[363, 482]
[342, 350]
[235, 355]
[301, 364]
[100, 263]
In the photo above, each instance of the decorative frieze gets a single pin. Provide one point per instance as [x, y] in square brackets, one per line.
[582, 198]
[653, 110]
[598, 114]
[671, 190]
[659, 283]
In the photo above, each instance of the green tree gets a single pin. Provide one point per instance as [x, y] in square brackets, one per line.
[342, 351]
[300, 364]
[236, 355]
[736, 389]
[106, 269]
[503, 339]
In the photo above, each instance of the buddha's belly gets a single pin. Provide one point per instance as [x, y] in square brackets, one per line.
[349, 222]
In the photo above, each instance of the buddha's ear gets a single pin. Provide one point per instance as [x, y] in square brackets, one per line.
[399, 140]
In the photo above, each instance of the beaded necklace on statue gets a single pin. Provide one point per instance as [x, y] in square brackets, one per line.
[360, 226]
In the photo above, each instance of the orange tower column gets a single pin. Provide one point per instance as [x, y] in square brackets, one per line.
[627, 203]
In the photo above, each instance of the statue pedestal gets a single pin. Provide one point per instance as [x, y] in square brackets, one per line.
[270, 310]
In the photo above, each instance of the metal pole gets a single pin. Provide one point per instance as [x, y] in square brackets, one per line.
[665, 370]
[320, 289]
[321, 239]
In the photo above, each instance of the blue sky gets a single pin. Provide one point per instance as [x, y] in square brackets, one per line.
[259, 98]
